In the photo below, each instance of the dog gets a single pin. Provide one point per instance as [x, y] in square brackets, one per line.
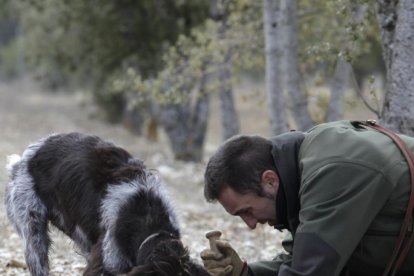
[114, 209]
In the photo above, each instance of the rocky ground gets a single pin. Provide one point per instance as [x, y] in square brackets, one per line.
[27, 114]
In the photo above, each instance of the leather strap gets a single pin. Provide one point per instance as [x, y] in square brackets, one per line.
[405, 238]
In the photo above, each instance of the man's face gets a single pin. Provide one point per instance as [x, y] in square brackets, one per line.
[251, 208]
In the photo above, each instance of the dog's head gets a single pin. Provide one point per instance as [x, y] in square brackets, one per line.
[162, 254]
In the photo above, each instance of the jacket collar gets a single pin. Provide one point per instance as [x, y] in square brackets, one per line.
[285, 151]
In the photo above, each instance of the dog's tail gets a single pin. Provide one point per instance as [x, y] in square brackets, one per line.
[12, 160]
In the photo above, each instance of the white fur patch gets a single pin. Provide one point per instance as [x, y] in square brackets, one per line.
[20, 192]
[154, 181]
[11, 161]
[117, 196]
[22, 204]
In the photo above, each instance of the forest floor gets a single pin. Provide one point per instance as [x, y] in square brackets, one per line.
[27, 114]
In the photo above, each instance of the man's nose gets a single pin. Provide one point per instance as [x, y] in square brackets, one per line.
[251, 222]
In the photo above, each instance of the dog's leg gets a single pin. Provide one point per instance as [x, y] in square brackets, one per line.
[27, 212]
[29, 216]
[37, 242]
[95, 264]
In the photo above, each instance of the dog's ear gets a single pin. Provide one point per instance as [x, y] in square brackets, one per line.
[116, 164]
[111, 156]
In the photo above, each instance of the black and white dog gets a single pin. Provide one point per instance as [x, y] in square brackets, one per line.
[113, 208]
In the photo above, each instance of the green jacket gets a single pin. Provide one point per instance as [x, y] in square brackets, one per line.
[348, 188]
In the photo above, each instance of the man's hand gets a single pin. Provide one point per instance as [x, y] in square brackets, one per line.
[228, 263]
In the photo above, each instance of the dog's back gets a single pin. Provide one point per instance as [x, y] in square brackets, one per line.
[70, 170]
[67, 158]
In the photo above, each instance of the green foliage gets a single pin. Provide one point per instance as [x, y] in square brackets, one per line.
[132, 52]
[234, 41]
[9, 60]
[9, 50]
[90, 40]
[329, 29]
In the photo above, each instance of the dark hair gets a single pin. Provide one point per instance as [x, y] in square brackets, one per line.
[239, 164]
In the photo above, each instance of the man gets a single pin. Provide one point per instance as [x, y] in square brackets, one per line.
[341, 189]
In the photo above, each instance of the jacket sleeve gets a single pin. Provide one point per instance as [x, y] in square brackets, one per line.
[338, 203]
[269, 268]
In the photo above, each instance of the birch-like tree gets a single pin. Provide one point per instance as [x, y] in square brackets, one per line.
[295, 91]
[272, 15]
[343, 68]
[229, 117]
[396, 20]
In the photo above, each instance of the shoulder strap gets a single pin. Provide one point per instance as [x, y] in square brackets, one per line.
[405, 238]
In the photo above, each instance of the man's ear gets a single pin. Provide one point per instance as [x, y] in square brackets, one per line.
[270, 181]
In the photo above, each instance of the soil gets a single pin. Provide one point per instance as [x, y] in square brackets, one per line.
[27, 113]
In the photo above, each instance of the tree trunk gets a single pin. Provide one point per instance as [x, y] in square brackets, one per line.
[396, 19]
[338, 87]
[186, 128]
[343, 69]
[219, 11]
[298, 99]
[229, 116]
[199, 120]
[273, 50]
[174, 119]
[387, 20]
[186, 124]
[200, 117]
